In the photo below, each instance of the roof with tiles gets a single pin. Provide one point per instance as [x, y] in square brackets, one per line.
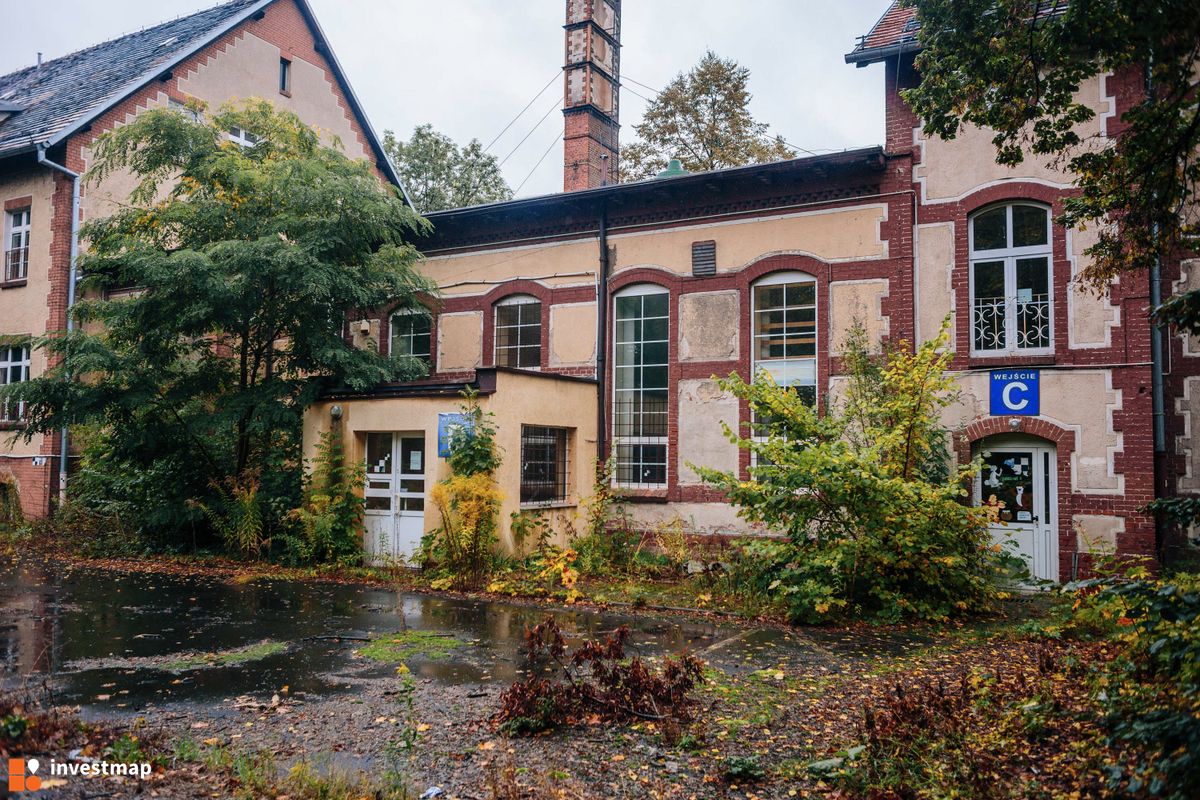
[895, 32]
[72, 88]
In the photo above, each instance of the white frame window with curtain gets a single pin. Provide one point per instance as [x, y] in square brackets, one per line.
[1012, 280]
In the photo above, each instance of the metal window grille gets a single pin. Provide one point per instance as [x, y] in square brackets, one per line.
[519, 334]
[544, 465]
[14, 368]
[1012, 306]
[411, 333]
[641, 413]
[16, 245]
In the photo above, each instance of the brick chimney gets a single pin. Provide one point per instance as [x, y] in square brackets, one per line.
[591, 97]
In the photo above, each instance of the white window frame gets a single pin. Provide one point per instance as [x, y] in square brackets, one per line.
[638, 290]
[242, 137]
[17, 222]
[515, 300]
[785, 279]
[7, 364]
[427, 357]
[1010, 255]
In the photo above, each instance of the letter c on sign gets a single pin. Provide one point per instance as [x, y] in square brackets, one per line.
[1009, 403]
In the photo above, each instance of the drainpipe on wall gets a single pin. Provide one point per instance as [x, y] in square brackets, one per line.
[1157, 392]
[72, 277]
[602, 343]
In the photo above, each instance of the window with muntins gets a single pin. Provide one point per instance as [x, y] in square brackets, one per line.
[16, 245]
[784, 308]
[1012, 302]
[544, 465]
[641, 345]
[14, 368]
[519, 333]
[410, 334]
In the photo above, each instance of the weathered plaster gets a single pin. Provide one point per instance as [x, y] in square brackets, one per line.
[708, 326]
[702, 409]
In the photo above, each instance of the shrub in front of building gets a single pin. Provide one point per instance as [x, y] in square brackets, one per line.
[876, 525]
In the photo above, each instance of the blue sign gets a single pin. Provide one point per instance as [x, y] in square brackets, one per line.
[1015, 392]
[447, 425]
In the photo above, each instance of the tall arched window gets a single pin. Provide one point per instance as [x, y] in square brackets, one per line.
[785, 331]
[518, 332]
[641, 353]
[1012, 300]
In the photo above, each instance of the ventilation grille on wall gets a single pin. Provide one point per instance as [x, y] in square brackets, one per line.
[704, 258]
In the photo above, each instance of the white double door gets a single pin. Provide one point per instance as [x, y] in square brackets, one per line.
[1018, 483]
[395, 497]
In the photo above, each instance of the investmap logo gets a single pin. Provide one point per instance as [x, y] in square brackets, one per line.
[22, 775]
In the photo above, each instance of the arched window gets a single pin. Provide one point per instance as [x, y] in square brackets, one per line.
[1012, 301]
[518, 332]
[641, 353]
[410, 334]
[785, 331]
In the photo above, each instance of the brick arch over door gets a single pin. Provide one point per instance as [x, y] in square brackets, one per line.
[1063, 440]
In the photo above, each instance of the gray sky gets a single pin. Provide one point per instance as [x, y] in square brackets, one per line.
[468, 66]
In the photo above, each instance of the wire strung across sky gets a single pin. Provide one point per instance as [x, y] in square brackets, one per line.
[521, 113]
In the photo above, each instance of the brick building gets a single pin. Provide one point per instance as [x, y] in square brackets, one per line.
[684, 278]
[51, 113]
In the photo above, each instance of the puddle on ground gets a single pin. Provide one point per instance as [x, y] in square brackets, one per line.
[127, 642]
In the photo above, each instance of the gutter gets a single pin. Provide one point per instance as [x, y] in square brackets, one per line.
[72, 279]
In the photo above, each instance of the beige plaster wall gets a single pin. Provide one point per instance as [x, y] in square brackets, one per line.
[476, 273]
[1097, 533]
[951, 169]
[1080, 400]
[1187, 405]
[848, 234]
[1092, 317]
[518, 400]
[249, 67]
[708, 326]
[460, 341]
[702, 409]
[23, 309]
[935, 269]
[573, 334]
[861, 302]
[700, 518]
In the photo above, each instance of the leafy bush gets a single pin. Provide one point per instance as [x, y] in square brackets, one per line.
[237, 518]
[1150, 693]
[872, 529]
[330, 521]
[462, 549]
[595, 681]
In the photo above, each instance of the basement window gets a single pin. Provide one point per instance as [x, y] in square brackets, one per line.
[285, 77]
[544, 461]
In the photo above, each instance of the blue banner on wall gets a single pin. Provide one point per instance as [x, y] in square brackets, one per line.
[1015, 392]
[447, 424]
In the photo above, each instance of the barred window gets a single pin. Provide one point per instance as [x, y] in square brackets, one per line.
[16, 245]
[544, 465]
[411, 334]
[14, 368]
[1011, 300]
[519, 332]
[640, 409]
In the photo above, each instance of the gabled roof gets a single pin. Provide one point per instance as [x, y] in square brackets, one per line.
[63, 95]
[894, 33]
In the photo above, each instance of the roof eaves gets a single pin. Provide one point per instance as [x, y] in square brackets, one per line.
[125, 91]
[381, 159]
[872, 55]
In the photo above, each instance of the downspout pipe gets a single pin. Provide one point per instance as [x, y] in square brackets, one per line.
[72, 279]
[1157, 389]
[602, 342]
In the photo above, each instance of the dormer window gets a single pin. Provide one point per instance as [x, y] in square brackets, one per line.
[1012, 303]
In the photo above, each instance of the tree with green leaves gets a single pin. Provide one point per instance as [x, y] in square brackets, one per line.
[703, 119]
[216, 303]
[439, 174]
[1016, 66]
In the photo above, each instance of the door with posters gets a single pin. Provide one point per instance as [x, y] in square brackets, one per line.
[395, 497]
[1017, 484]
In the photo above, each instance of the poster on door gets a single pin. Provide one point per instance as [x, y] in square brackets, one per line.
[1007, 486]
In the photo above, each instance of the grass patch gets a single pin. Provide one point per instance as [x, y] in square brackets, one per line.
[403, 645]
[225, 658]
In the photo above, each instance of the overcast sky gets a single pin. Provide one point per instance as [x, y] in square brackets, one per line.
[469, 66]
